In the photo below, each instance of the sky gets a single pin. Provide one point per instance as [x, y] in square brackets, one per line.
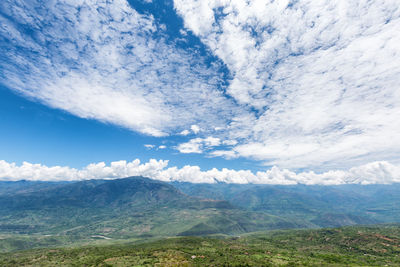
[276, 92]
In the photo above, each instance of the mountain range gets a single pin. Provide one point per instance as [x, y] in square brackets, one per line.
[139, 208]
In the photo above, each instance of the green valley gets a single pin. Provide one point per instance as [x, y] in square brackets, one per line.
[140, 221]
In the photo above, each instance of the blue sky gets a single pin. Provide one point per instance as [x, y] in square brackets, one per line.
[36, 133]
[299, 91]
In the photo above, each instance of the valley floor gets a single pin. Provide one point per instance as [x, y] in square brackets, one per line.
[347, 246]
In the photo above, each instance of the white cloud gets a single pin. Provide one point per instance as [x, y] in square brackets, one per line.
[372, 173]
[162, 147]
[198, 145]
[193, 146]
[323, 77]
[149, 146]
[211, 141]
[184, 132]
[228, 154]
[183, 32]
[102, 60]
[230, 142]
[195, 128]
[314, 84]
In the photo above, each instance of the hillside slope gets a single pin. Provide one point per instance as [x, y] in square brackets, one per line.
[323, 206]
[134, 207]
[347, 246]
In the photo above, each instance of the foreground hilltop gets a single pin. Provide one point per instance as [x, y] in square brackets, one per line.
[347, 246]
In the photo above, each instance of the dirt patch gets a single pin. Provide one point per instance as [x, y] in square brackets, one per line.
[385, 238]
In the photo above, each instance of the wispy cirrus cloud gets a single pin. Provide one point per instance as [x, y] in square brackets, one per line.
[322, 77]
[311, 84]
[103, 60]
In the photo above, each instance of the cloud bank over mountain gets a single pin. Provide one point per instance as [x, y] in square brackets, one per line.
[293, 84]
[372, 173]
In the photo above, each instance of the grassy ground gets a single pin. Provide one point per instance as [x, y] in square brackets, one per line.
[347, 246]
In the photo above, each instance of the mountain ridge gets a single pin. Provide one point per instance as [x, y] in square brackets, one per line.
[124, 208]
[139, 207]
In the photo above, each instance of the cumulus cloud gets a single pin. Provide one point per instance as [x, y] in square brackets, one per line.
[193, 146]
[28, 171]
[372, 173]
[195, 128]
[198, 145]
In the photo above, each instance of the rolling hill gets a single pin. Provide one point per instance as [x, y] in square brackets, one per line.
[134, 207]
[347, 246]
[40, 214]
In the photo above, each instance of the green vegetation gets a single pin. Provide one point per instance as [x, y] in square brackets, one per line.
[139, 221]
[347, 246]
[145, 224]
[43, 215]
[318, 206]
